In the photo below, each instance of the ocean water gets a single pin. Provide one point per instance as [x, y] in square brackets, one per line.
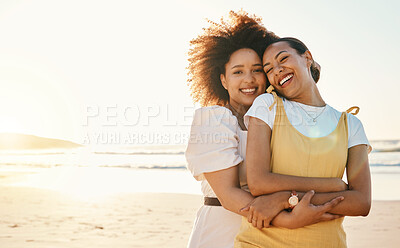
[89, 172]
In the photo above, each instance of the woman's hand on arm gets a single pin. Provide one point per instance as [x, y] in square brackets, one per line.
[355, 202]
[306, 213]
[225, 184]
[264, 208]
[260, 179]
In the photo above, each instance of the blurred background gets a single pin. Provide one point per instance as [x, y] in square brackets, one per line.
[73, 69]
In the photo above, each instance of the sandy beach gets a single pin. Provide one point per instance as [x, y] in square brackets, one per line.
[42, 218]
[32, 217]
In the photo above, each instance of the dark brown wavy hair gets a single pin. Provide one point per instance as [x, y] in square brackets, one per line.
[211, 50]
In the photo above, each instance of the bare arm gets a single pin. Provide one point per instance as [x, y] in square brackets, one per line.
[225, 184]
[262, 181]
[260, 211]
[357, 200]
[303, 214]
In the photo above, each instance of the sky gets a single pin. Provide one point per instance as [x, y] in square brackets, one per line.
[115, 71]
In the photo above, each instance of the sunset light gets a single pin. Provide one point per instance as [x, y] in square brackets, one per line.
[105, 142]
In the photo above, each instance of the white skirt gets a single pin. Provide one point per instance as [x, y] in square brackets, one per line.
[214, 227]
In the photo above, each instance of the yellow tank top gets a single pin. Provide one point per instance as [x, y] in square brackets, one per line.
[299, 155]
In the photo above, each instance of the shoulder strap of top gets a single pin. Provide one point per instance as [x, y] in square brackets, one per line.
[357, 109]
[270, 90]
[345, 123]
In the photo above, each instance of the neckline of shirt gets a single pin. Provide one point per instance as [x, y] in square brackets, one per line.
[313, 108]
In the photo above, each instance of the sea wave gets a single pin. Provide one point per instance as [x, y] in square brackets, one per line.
[166, 167]
[150, 157]
[138, 166]
[32, 165]
[378, 146]
[143, 153]
[385, 145]
[383, 165]
[394, 149]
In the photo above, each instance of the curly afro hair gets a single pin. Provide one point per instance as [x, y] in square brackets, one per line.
[211, 50]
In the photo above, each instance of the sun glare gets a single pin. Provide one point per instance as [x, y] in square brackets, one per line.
[10, 125]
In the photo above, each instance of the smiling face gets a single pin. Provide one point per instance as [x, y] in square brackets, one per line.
[287, 70]
[244, 78]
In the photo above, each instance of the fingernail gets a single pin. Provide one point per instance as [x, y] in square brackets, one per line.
[312, 191]
[342, 198]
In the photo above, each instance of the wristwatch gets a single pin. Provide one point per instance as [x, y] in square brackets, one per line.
[293, 199]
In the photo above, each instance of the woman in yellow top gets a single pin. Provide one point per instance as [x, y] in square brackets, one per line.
[226, 75]
[300, 135]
